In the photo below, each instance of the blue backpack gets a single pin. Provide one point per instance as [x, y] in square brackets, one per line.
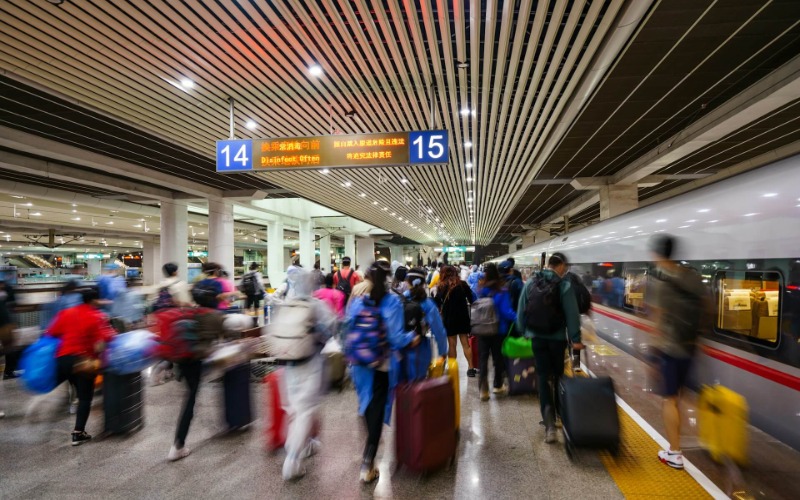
[39, 366]
[365, 342]
[205, 293]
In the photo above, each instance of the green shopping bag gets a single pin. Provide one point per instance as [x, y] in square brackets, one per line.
[517, 347]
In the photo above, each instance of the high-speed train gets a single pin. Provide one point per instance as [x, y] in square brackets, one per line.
[742, 235]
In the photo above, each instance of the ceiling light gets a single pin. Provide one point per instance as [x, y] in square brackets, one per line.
[326, 171]
[716, 220]
[110, 223]
[137, 225]
[315, 70]
[385, 208]
[403, 180]
[468, 165]
[393, 214]
[37, 214]
[374, 202]
[770, 195]
[467, 144]
[469, 179]
[634, 227]
[347, 184]
[465, 111]
[691, 220]
[469, 200]
[363, 195]
[76, 218]
[683, 227]
[17, 196]
[750, 214]
[251, 125]
[29, 204]
[186, 83]
[703, 210]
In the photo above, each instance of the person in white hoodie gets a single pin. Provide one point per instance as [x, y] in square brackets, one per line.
[304, 378]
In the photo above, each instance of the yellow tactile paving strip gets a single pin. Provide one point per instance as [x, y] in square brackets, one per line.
[638, 472]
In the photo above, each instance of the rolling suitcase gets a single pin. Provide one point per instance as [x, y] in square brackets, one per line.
[425, 439]
[275, 421]
[589, 413]
[123, 402]
[236, 388]
[722, 422]
[521, 376]
[473, 346]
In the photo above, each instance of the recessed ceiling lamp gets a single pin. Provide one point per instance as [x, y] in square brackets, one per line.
[467, 144]
[187, 83]
[326, 171]
[465, 111]
[403, 180]
[315, 70]
[468, 165]
[251, 125]
[56, 2]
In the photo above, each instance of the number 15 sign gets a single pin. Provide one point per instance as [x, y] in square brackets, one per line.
[355, 150]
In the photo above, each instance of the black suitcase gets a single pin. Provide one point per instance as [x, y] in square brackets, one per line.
[236, 389]
[123, 402]
[589, 413]
[521, 376]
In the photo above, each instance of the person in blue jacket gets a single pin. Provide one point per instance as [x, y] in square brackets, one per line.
[374, 384]
[416, 360]
[493, 286]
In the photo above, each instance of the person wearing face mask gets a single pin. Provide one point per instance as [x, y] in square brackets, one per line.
[548, 314]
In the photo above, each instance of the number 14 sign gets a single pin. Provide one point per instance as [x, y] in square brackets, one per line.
[234, 155]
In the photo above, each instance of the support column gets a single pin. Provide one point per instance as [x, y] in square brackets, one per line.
[365, 252]
[175, 235]
[275, 268]
[220, 234]
[306, 245]
[350, 247]
[151, 262]
[618, 199]
[325, 253]
[396, 252]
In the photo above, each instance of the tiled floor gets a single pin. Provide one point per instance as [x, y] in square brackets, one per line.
[501, 455]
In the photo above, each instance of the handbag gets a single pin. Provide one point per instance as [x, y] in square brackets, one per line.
[517, 347]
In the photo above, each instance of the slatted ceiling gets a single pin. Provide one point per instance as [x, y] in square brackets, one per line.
[779, 128]
[7, 175]
[25, 108]
[649, 192]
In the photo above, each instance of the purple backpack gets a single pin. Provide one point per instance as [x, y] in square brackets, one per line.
[365, 343]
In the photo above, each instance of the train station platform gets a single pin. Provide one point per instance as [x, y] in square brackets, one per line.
[501, 453]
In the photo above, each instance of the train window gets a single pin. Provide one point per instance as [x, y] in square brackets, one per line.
[749, 304]
[635, 285]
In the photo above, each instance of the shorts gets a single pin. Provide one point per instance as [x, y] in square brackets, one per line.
[674, 374]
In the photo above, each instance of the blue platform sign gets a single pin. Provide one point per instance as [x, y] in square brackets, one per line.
[234, 155]
[383, 149]
[428, 147]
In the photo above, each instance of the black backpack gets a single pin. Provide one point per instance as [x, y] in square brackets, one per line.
[249, 284]
[543, 312]
[343, 285]
[582, 294]
[413, 316]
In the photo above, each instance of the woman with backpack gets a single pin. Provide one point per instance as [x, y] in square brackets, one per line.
[417, 360]
[375, 328]
[454, 298]
[492, 286]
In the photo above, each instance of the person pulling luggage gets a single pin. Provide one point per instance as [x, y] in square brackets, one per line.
[84, 331]
[548, 314]
[493, 286]
[418, 359]
[296, 335]
[375, 328]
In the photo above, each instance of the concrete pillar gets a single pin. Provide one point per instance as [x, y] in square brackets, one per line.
[365, 252]
[325, 253]
[306, 244]
[350, 247]
[220, 234]
[275, 268]
[618, 199]
[175, 235]
[396, 252]
[151, 262]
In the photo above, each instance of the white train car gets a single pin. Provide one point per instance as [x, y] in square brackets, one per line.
[743, 235]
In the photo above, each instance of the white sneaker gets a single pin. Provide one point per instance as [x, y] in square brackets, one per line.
[368, 474]
[311, 449]
[176, 453]
[551, 435]
[293, 469]
[2, 414]
[672, 458]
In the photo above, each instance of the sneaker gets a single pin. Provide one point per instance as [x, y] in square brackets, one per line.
[78, 438]
[500, 390]
[672, 458]
[176, 453]
[471, 372]
[2, 414]
[368, 474]
[311, 449]
[551, 435]
[484, 395]
[293, 469]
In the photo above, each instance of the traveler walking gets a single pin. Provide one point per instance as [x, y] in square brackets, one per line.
[454, 298]
[493, 286]
[548, 314]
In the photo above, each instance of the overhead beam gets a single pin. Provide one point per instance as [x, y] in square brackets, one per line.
[42, 146]
[51, 170]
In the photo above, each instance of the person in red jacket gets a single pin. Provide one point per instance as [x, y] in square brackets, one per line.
[84, 331]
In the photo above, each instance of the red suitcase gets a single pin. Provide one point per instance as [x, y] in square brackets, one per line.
[275, 421]
[473, 346]
[425, 434]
